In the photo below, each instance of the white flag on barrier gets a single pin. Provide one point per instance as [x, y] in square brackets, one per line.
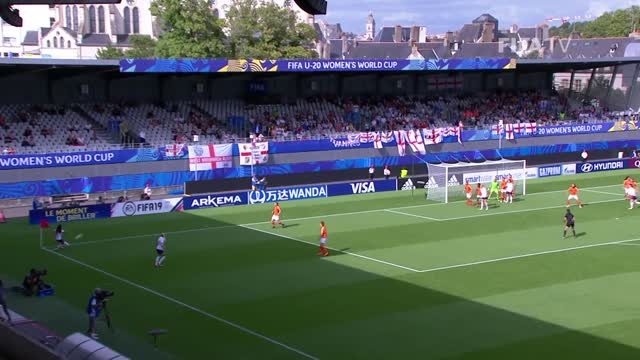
[254, 153]
[209, 157]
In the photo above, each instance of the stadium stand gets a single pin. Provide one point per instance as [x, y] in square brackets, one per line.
[49, 129]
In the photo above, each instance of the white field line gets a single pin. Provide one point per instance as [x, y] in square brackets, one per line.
[489, 213]
[330, 248]
[301, 219]
[180, 303]
[630, 244]
[622, 242]
[413, 215]
[603, 192]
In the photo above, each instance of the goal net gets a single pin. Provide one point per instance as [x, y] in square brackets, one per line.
[446, 181]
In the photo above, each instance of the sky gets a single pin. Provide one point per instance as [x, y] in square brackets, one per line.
[442, 16]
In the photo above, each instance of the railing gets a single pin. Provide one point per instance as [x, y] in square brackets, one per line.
[131, 143]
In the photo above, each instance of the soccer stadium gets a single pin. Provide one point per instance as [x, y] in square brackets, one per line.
[390, 195]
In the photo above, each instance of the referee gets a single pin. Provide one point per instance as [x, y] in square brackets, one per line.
[569, 222]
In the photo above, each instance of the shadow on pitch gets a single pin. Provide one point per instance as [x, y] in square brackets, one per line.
[236, 272]
[287, 226]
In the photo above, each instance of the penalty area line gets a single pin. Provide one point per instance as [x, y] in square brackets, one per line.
[330, 248]
[622, 242]
[185, 305]
[412, 215]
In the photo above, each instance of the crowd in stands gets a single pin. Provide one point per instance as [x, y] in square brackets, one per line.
[30, 129]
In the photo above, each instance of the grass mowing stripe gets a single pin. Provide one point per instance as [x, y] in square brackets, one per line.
[330, 248]
[178, 302]
[621, 242]
[309, 218]
[414, 215]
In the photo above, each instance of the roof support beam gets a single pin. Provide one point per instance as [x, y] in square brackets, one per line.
[571, 81]
[611, 83]
[590, 85]
[634, 82]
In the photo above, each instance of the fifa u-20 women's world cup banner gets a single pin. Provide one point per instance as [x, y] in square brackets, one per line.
[309, 65]
[254, 154]
[210, 157]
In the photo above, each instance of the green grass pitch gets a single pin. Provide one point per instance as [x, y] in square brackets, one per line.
[406, 279]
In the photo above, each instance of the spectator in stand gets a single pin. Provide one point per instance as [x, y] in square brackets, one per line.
[28, 142]
[143, 137]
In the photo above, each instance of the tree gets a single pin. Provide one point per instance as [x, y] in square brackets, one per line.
[619, 23]
[110, 52]
[142, 47]
[190, 30]
[265, 30]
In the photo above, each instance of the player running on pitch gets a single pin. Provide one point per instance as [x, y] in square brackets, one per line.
[160, 245]
[483, 197]
[495, 188]
[60, 237]
[627, 185]
[323, 240]
[276, 216]
[468, 192]
[569, 222]
[632, 195]
[573, 195]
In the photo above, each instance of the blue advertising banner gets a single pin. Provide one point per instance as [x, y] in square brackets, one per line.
[595, 166]
[77, 213]
[546, 171]
[178, 178]
[33, 161]
[362, 187]
[215, 200]
[309, 65]
[286, 194]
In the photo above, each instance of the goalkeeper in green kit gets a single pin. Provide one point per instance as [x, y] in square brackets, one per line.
[495, 188]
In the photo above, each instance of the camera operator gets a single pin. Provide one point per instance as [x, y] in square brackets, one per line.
[97, 303]
[33, 282]
[3, 304]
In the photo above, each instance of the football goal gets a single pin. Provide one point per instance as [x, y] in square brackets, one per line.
[445, 182]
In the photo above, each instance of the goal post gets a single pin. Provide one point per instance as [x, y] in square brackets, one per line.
[446, 181]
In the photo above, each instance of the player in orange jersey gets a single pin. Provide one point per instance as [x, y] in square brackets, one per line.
[573, 195]
[323, 240]
[503, 190]
[276, 216]
[468, 191]
[478, 197]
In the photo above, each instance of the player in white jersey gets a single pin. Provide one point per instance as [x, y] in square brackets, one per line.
[484, 195]
[160, 245]
[633, 197]
[60, 237]
[509, 191]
